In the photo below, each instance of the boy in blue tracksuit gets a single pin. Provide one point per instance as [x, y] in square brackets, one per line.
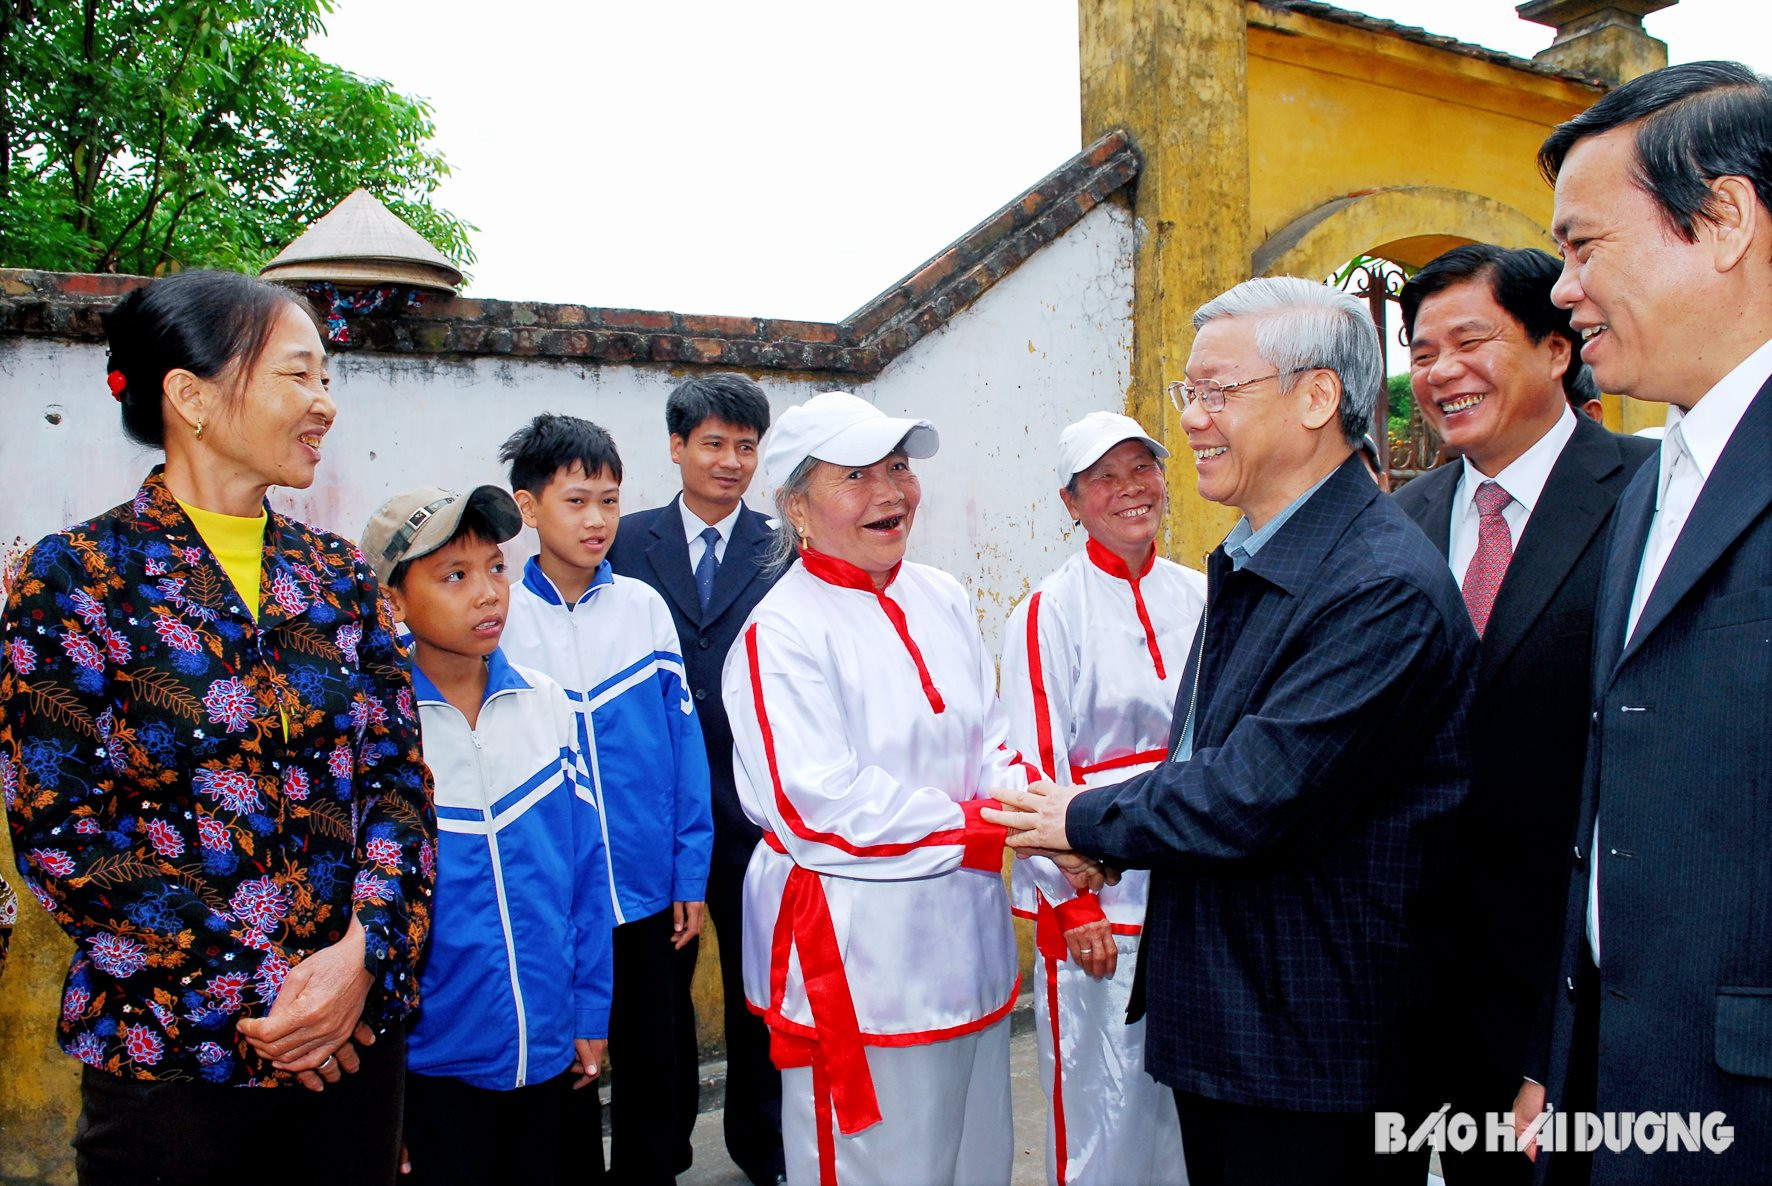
[515, 988]
[610, 641]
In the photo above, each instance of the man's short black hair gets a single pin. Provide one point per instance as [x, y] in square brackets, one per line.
[1696, 122]
[474, 525]
[1520, 279]
[551, 443]
[1579, 384]
[732, 398]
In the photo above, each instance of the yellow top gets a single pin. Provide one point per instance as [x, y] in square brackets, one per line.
[239, 546]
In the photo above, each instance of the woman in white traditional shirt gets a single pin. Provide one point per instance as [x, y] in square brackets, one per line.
[1091, 664]
[867, 738]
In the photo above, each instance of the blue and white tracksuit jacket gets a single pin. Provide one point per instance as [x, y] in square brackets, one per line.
[521, 880]
[616, 653]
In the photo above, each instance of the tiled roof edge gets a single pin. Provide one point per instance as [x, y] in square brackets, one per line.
[1420, 36]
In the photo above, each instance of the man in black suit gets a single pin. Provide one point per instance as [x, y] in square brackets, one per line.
[1521, 520]
[705, 552]
[1318, 751]
[1663, 1000]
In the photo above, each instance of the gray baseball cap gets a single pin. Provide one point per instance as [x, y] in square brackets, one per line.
[420, 521]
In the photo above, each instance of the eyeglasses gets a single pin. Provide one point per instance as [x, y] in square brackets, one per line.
[1211, 395]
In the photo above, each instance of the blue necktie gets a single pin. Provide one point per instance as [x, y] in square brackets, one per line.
[707, 566]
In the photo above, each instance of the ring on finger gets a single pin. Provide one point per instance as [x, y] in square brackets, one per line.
[330, 1059]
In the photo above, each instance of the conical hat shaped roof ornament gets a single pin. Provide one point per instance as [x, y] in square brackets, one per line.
[361, 242]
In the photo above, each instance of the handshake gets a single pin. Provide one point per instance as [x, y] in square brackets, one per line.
[1035, 819]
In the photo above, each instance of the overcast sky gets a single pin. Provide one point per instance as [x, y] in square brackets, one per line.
[781, 158]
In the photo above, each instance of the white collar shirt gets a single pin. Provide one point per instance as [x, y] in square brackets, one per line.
[1524, 481]
[693, 526]
[1689, 452]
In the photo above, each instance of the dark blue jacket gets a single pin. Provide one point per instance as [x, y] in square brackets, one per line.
[1679, 769]
[650, 546]
[1284, 952]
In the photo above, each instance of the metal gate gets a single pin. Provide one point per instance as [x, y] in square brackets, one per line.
[1414, 447]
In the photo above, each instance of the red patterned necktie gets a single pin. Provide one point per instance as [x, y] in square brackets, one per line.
[1495, 547]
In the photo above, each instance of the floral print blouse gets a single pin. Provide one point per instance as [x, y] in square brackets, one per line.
[202, 800]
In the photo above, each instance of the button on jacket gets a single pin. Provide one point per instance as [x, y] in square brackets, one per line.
[201, 799]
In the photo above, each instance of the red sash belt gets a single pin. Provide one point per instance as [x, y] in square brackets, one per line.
[1142, 758]
[1051, 922]
[804, 925]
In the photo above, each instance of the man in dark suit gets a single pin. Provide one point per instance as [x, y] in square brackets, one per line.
[705, 552]
[1663, 1000]
[1521, 519]
[1318, 749]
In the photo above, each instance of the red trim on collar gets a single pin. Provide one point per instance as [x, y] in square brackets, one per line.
[841, 573]
[845, 575]
[1116, 567]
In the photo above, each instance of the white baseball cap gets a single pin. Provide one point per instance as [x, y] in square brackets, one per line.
[1084, 443]
[842, 429]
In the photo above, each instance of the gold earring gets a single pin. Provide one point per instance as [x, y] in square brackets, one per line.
[804, 542]
[199, 433]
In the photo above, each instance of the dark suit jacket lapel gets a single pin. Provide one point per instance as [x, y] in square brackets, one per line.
[668, 553]
[1574, 506]
[1442, 484]
[1737, 492]
[1624, 555]
[745, 552]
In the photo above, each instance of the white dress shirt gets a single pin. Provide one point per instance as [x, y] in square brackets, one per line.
[693, 526]
[1524, 481]
[1689, 452]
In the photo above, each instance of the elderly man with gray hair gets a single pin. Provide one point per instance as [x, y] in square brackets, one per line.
[1317, 752]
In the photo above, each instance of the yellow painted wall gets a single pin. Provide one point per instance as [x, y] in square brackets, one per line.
[39, 1085]
[1335, 110]
[1173, 73]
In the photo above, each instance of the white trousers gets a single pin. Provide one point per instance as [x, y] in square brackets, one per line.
[1108, 1123]
[945, 1118]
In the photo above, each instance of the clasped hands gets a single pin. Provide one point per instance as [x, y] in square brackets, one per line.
[316, 1023]
[1035, 819]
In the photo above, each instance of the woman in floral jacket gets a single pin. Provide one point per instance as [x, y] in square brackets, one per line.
[211, 767]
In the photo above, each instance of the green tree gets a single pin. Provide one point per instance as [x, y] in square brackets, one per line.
[147, 135]
[1400, 400]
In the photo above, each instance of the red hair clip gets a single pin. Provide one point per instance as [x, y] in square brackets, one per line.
[116, 382]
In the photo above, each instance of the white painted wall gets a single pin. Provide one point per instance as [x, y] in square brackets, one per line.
[1048, 343]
